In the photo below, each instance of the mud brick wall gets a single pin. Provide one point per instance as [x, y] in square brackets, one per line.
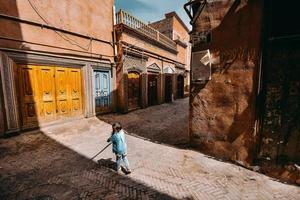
[222, 111]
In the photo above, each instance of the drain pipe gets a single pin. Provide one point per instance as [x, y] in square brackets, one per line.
[114, 31]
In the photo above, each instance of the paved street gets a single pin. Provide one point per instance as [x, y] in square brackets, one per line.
[55, 164]
[166, 123]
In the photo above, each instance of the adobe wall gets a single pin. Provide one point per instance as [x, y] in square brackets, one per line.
[91, 18]
[222, 111]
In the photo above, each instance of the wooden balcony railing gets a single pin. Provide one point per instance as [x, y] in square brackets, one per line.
[123, 17]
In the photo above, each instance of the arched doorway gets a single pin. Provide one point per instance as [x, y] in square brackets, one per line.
[180, 86]
[133, 90]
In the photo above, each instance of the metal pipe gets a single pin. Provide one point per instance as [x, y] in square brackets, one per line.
[114, 32]
[74, 57]
[51, 46]
[13, 18]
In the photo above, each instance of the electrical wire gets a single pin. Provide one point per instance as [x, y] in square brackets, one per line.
[65, 37]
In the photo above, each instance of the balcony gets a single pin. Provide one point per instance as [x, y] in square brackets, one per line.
[125, 18]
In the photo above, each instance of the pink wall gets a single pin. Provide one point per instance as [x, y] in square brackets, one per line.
[93, 18]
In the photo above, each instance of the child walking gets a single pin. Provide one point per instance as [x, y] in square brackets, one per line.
[119, 146]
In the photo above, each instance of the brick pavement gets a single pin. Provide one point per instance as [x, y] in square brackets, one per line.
[55, 164]
[166, 123]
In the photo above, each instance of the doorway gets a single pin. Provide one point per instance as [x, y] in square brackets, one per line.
[168, 88]
[180, 86]
[134, 90]
[152, 89]
[48, 93]
[102, 91]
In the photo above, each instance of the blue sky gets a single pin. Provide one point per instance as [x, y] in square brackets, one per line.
[153, 10]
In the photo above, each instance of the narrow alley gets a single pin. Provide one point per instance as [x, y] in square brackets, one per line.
[54, 163]
[206, 91]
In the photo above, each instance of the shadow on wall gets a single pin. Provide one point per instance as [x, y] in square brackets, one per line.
[223, 109]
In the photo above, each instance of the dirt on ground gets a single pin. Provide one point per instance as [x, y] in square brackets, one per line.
[166, 123]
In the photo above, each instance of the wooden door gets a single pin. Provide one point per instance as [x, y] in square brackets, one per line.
[48, 93]
[74, 84]
[102, 91]
[168, 88]
[133, 90]
[152, 89]
[46, 83]
[180, 86]
[63, 103]
[29, 94]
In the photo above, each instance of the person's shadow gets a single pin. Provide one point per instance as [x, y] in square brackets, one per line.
[111, 165]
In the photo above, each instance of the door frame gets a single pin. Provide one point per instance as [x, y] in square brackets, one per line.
[9, 58]
[102, 69]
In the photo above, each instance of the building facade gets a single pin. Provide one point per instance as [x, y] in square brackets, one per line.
[56, 61]
[152, 68]
[245, 81]
[174, 28]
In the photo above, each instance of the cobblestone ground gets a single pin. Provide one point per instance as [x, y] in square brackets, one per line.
[55, 163]
[166, 123]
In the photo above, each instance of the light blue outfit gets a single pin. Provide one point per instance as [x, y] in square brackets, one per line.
[119, 147]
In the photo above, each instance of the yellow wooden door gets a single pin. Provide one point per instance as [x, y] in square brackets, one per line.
[47, 104]
[74, 84]
[48, 93]
[29, 95]
[62, 92]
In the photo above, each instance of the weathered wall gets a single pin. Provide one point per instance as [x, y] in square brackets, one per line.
[164, 26]
[222, 113]
[91, 18]
[280, 142]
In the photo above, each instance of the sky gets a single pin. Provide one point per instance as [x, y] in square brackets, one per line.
[153, 10]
